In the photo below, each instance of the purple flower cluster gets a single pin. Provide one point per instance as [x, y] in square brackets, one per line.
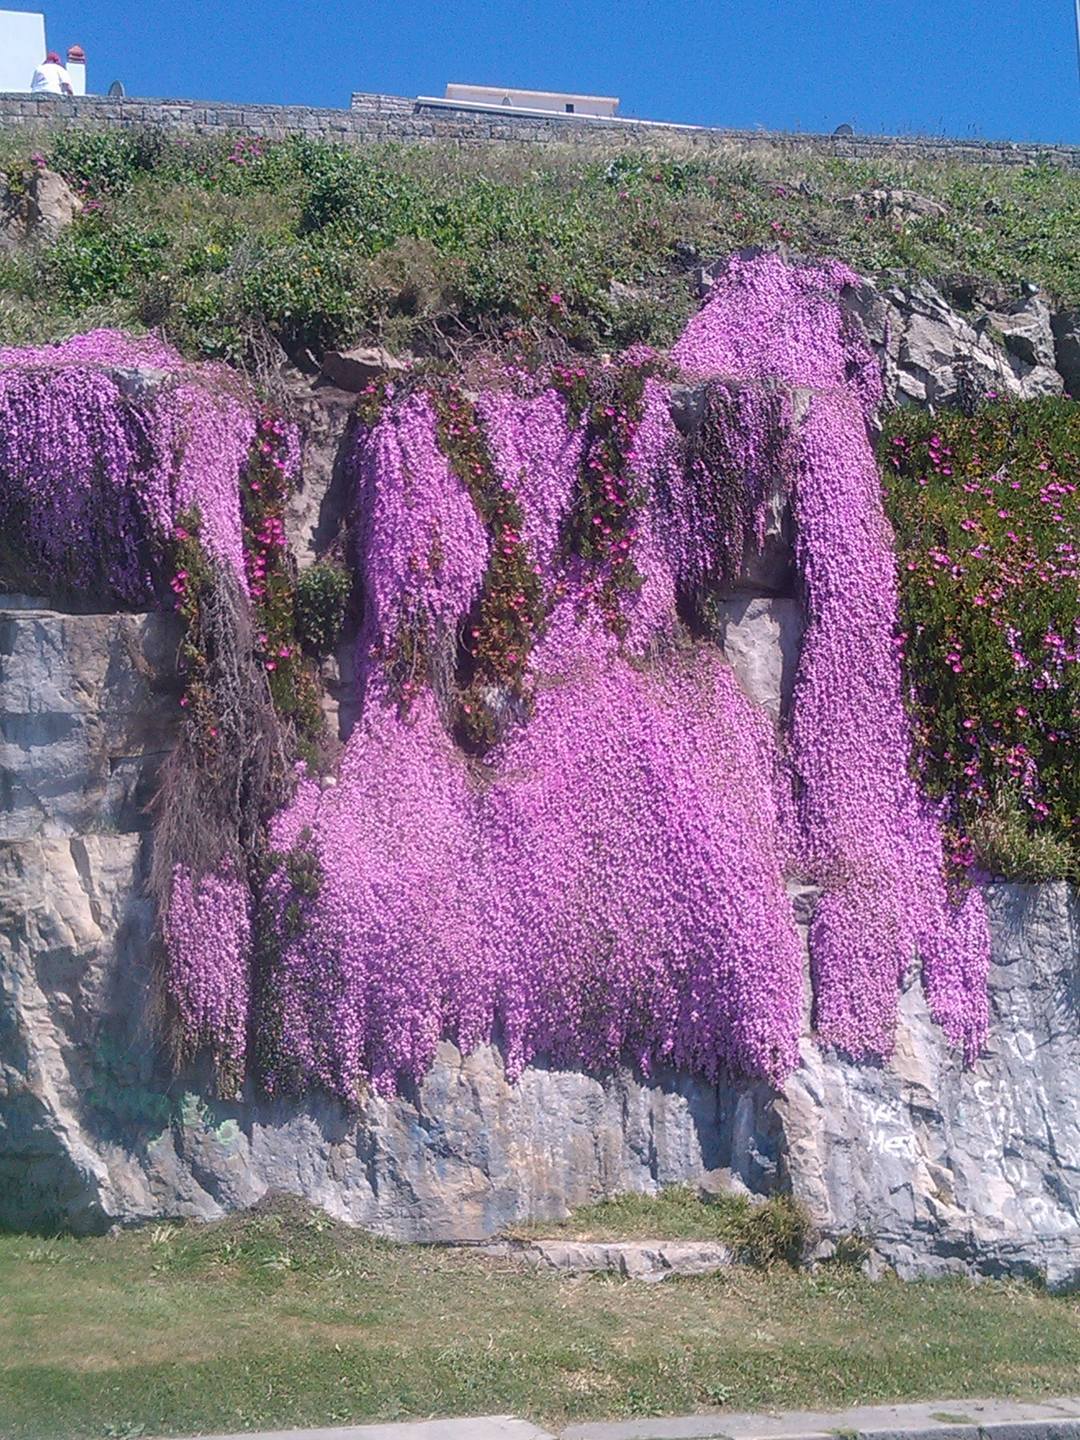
[611, 886]
[867, 834]
[104, 441]
[420, 543]
[207, 933]
[609, 881]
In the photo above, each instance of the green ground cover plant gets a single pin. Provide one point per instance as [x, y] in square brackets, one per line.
[761, 1233]
[236, 247]
[283, 1317]
[986, 510]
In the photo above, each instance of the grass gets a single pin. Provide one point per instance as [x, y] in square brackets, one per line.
[282, 1317]
[237, 249]
[760, 1232]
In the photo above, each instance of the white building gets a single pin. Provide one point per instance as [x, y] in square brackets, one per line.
[22, 48]
[545, 102]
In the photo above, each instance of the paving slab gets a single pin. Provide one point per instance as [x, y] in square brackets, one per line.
[1057, 1419]
[481, 1427]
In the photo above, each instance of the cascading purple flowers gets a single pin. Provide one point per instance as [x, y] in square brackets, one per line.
[611, 883]
[422, 547]
[869, 837]
[207, 933]
[608, 881]
[105, 441]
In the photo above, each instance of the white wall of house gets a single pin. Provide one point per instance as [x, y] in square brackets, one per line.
[22, 47]
[549, 101]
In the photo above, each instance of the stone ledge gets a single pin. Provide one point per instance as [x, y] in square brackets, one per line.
[397, 117]
[650, 1260]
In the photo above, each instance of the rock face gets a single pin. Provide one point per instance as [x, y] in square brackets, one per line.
[930, 351]
[1066, 326]
[84, 716]
[760, 637]
[943, 1169]
[353, 369]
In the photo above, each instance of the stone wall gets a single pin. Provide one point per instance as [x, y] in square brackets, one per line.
[393, 117]
[945, 1169]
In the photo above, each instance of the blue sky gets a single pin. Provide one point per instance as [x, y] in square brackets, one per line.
[990, 68]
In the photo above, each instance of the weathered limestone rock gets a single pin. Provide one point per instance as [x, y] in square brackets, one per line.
[902, 205]
[41, 207]
[1028, 331]
[760, 637]
[317, 506]
[1066, 327]
[53, 204]
[948, 1169]
[353, 369]
[929, 350]
[69, 911]
[83, 719]
[649, 1260]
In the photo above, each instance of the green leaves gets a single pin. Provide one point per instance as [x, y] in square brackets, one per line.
[987, 518]
[322, 595]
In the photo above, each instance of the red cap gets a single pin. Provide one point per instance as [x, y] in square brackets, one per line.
[76, 55]
[52, 58]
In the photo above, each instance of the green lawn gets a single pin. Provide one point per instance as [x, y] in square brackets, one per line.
[284, 1317]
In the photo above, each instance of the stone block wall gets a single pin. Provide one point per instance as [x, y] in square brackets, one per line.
[373, 117]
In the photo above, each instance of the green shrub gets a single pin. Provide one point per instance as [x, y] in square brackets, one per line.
[92, 261]
[987, 518]
[322, 597]
[308, 293]
[771, 1233]
[106, 162]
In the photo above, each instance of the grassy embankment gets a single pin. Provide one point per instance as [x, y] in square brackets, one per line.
[288, 1318]
[235, 249]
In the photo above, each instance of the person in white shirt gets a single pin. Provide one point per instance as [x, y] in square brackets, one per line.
[50, 77]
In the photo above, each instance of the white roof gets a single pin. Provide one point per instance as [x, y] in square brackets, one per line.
[496, 92]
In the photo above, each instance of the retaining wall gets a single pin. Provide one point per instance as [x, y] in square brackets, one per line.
[393, 117]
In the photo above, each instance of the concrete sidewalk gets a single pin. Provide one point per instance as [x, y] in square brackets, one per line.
[930, 1420]
[483, 1427]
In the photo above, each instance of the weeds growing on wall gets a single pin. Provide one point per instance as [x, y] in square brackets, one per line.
[987, 517]
[505, 617]
[320, 606]
[272, 581]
